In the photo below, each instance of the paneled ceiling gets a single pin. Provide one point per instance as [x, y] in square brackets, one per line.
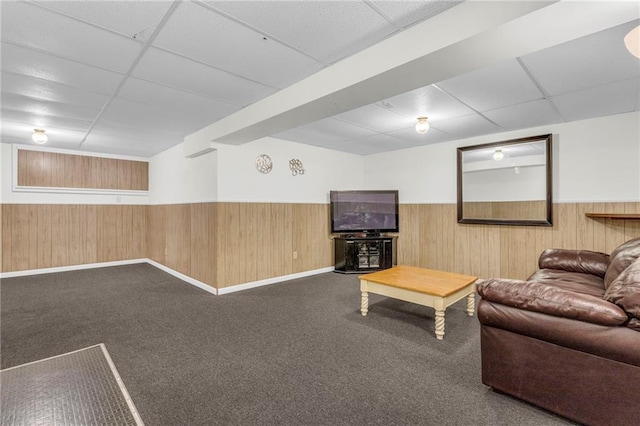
[137, 77]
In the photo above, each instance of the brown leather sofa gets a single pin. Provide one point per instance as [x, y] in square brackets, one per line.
[568, 338]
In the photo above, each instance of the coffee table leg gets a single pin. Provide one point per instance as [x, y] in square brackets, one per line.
[439, 325]
[471, 304]
[364, 303]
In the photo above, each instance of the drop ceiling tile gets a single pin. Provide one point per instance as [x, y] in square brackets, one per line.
[410, 136]
[184, 74]
[207, 110]
[609, 99]
[376, 118]
[327, 31]
[589, 61]
[125, 113]
[427, 101]
[467, 126]
[405, 13]
[20, 60]
[240, 50]
[45, 90]
[379, 143]
[43, 121]
[32, 26]
[140, 134]
[309, 136]
[126, 146]
[493, 87]
[339, 129]
[47, 108]
[528, 114]
[135, 19]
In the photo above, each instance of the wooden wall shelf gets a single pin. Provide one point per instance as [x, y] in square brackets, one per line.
[620, 216]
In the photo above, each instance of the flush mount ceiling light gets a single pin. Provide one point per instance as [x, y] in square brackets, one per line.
[39, 137]
[498, 155]
[422, 126]
[632, 41]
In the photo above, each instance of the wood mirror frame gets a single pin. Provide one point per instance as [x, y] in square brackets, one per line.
[487, 194]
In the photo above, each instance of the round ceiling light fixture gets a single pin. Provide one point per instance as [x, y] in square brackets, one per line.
[498, 155]
[632, 41]
[422, 126]
[39, 137]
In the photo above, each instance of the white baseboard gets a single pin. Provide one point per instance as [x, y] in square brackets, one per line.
[183, 277]
[70, 268]
[260, 283]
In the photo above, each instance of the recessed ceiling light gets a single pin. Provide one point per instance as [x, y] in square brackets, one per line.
[39, 137]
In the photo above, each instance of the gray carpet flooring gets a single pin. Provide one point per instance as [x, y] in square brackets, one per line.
[293, 353]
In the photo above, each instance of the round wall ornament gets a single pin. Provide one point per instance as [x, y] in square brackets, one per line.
[296, 167]
[263, 163]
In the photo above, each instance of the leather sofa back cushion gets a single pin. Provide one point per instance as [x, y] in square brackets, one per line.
[582, 261]
[547, 299]
[624, 291]
[623, 256]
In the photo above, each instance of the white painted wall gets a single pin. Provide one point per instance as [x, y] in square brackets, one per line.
[9, 196]
[239, 181]
[594, 160]
[175, 179]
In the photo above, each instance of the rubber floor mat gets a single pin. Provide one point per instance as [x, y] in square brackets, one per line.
[77, 388]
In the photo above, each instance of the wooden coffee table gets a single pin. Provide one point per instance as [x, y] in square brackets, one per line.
[428, 287]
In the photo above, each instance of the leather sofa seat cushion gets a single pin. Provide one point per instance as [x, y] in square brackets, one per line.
[550, 300]
[572, 281]
[624, 291]
[620, 259]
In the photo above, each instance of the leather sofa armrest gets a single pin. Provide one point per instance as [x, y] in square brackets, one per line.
[584, 261]
[547, 299]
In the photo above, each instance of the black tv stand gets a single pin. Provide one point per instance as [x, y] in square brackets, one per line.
[363, 253]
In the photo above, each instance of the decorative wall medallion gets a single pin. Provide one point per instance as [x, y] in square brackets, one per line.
[296, 167]
[263, 163]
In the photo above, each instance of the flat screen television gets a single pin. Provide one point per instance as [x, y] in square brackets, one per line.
[364, 211]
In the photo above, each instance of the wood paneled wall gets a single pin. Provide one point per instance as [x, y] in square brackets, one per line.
[183, 238]
[53, 170]
[430, 237]
[36, 236]
[224, 244]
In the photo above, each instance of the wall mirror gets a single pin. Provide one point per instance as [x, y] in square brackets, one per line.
[506, 183]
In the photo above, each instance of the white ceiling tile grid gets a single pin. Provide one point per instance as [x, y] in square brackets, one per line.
[327, 31]
[405, 13]
[133, 19]
[62, 63]
[66, 37]
[586, 62]
[493, 87]
[199, 33]
[184, 74]
[529, 114]
[608, 99]
[36, 64]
